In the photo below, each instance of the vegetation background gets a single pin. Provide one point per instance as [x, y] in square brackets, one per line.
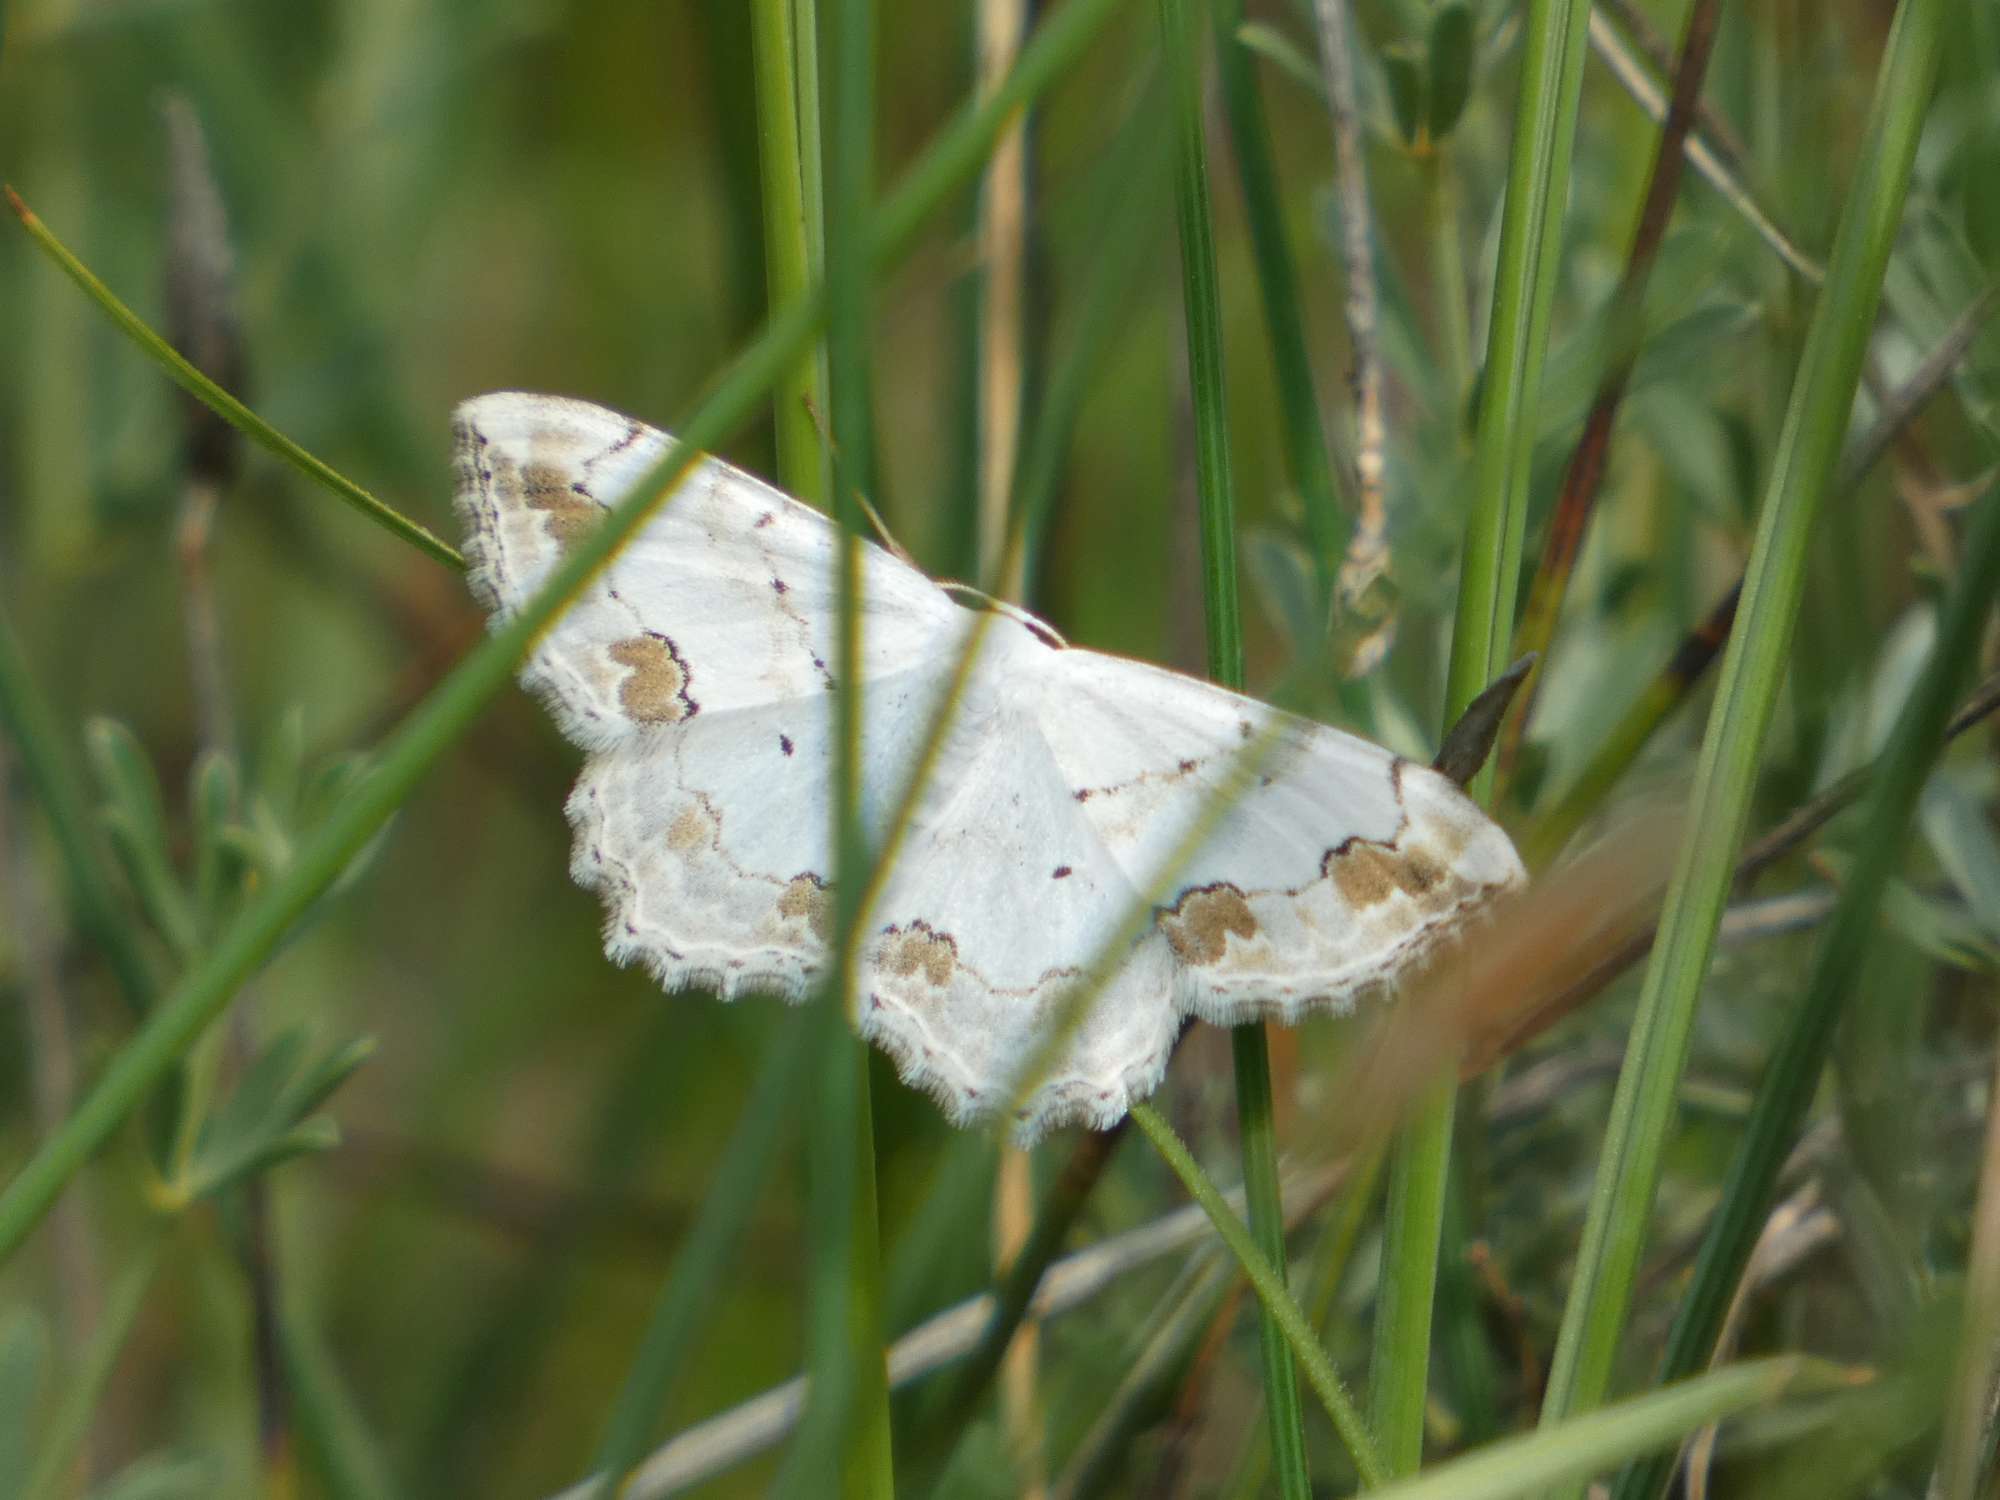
[425, 200]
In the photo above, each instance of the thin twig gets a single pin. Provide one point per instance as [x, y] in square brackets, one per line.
[1632, 77]
[1019, 1277]
[1362, 599]
[1659, 54]
[1704, 643]
[1798, 1228]
[1907, 399]
[1003, 240]
[1003, 255]
[1583, 479]
[1756, 857]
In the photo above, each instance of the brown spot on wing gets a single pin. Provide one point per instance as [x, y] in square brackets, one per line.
[567, 510]
[1367, 874]
[656, 689]
[1200, 924]
[919, 948]
[692, 827]
[805, 899]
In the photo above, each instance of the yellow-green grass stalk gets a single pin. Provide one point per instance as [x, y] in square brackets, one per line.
[1222, 610]
[1753, 671]
[1489, 579]
[1793, 1073]
[845, 1427]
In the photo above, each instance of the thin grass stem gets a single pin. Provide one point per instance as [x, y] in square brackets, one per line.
[1753, 670]
[703, 1261]
[1223, 612]
[1307, 462]
[226, 406]
[1269, 1284]
[1489, 578]
[1793, 1073]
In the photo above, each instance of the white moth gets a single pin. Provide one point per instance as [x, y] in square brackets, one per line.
[698, 673]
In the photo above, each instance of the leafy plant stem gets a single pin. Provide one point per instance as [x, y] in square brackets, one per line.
[445, 714]
[226, 406]
[1753, 669]
[1223, 612]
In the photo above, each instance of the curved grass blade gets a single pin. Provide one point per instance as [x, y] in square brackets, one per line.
[226, 406]
[1269, 1285]
[1533, 1464]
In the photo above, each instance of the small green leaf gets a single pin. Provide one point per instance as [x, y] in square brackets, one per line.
[212, 796]
[1452, 46]
[268, 1118]
[1954, 824]
[135, 820]
[1296, 62]
[1404, 71]
[315, 1084]
[281, 768]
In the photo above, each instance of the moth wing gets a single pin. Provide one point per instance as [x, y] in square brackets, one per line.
[723, 600]
[1332, 866]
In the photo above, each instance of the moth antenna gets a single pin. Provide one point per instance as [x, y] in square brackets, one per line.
[980, 599]
[882, 533]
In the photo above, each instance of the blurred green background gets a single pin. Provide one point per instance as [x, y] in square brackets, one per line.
[431, 198]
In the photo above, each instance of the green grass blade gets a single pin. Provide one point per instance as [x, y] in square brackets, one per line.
[1530, 1465]
[448, 711]
[703, 1261]
[1268, 1282]
[333, 1431]
[1753, 670]
[1223, 611]
[1793, 1073]
[945, 1417]
[845, 1427]
[226, 406]
[1306, 459]
[1489, 579]
[792, 250]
